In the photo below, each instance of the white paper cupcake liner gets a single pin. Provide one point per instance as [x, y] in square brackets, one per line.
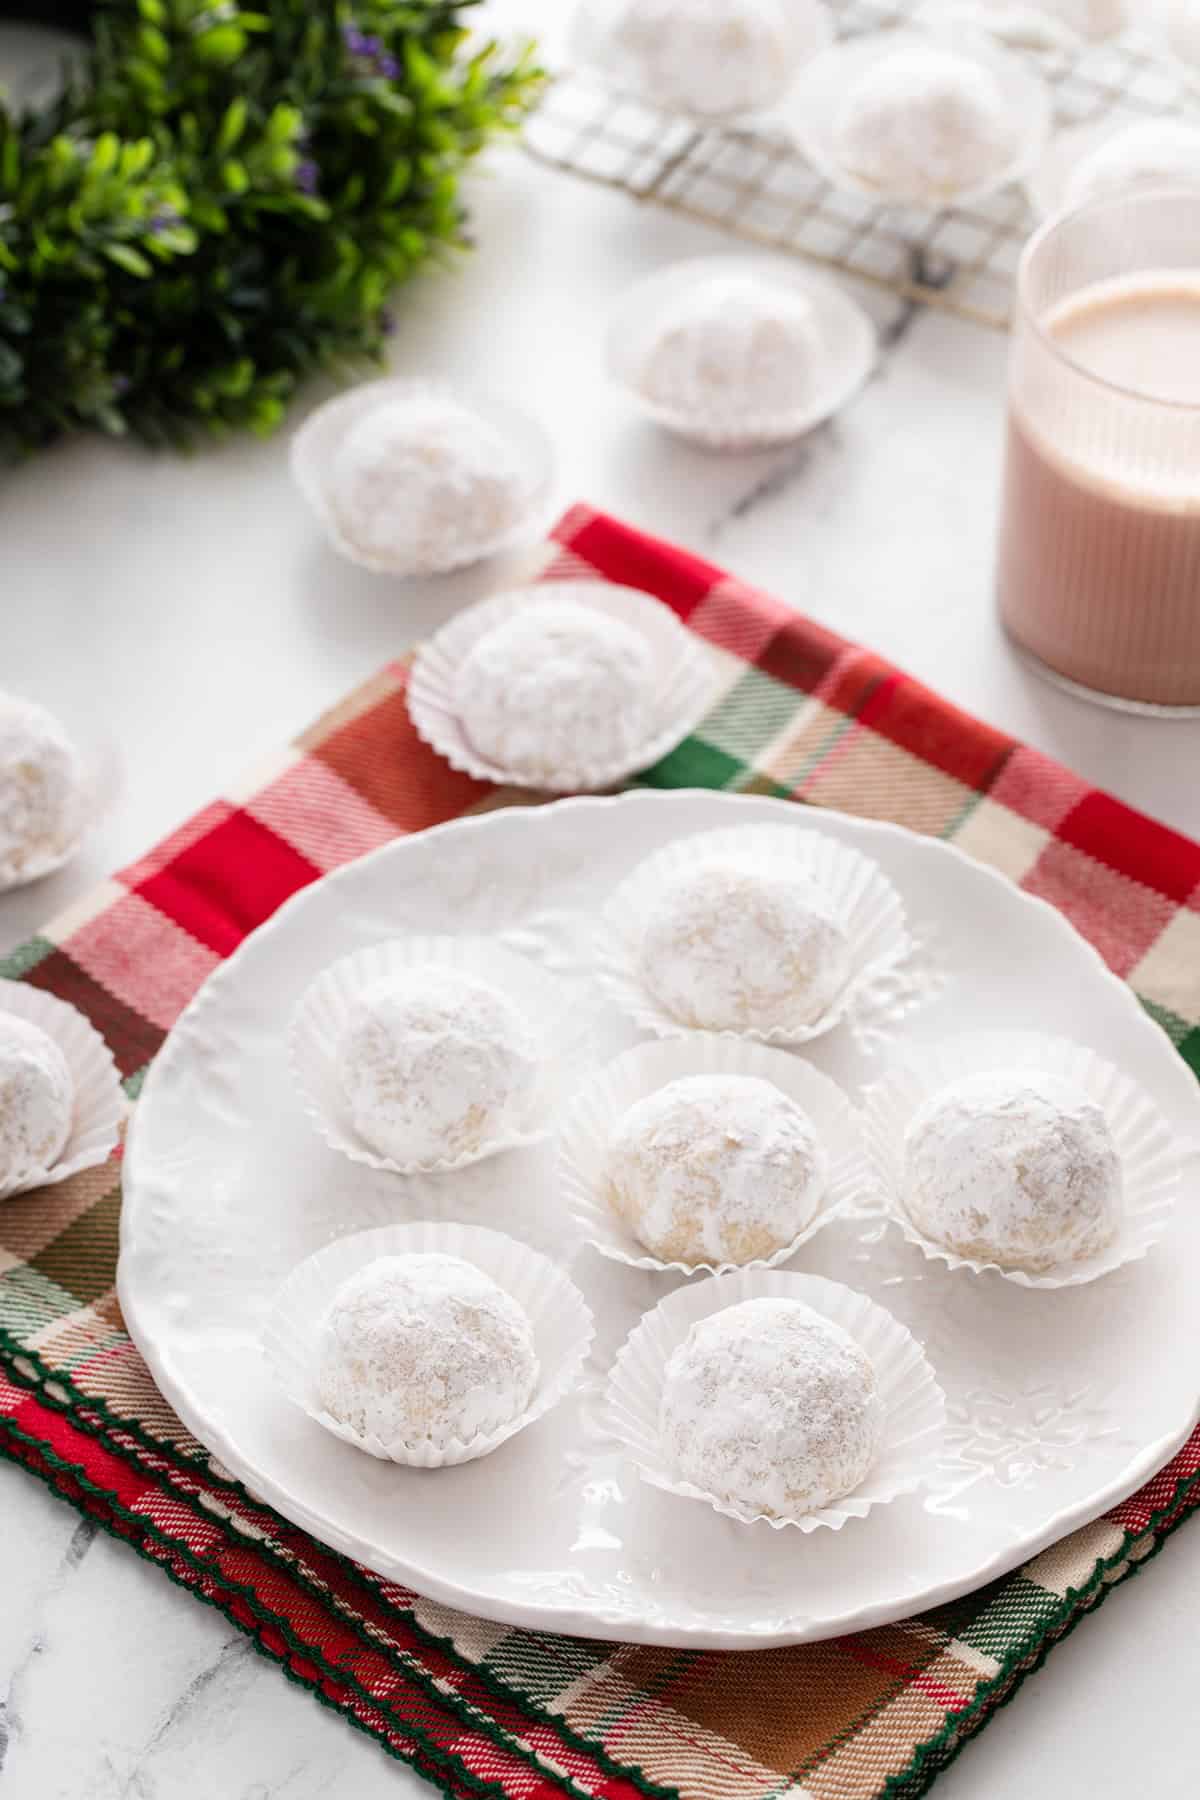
[100, 1106]
[317, 441]
[815, 104]
[914, 1406]
[1151, 1157]
[597, 1108]
[848, 349]
[100, 777]
[561, 1321]
[324, 1012]
[884, 984]
[684, 680]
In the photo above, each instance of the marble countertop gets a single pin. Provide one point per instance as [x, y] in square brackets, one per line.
[189, 608]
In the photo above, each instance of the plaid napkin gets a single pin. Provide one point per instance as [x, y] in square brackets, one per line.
[477, 1708]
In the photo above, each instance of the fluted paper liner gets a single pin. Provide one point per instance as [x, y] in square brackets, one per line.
[684, 681]
[561, 1321]
[914, 1407]
[327, 1003]
[597, 1109]
[1151, 1156]
[844, 358]
[99, 1108]
[884, 983]
[318, 440]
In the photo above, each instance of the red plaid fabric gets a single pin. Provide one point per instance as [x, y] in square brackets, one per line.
[475, 1707]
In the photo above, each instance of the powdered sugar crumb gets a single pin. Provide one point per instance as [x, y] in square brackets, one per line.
[1013, 1167]
[734, 348]
[432, 1064]
[925, 122]
[716, 1168]
[557, 692]
[769, 1406]
[710, 57]
[726, 948]
[37, 1095]
[41, 782]
[424, 483]
[425, 1348]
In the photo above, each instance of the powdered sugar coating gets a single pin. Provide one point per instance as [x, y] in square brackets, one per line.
[726, 948]
[735, 347]
[925, 122]
[424, 483]
[40, 781]
[710, 57]
[768, 1406]
[1014, 1167]
[1153, 152]
[37, 1098]
[425, 1347]
[716, 1169]
[433, 1064]
[557, 692]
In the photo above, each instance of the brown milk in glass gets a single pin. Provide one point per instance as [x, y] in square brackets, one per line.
[1099, 559]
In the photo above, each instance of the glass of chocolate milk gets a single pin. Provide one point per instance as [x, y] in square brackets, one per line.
[1099, 559]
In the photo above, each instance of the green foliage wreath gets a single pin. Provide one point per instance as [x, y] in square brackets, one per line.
[222, 201]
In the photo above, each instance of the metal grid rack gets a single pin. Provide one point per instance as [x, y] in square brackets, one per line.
[756, 185]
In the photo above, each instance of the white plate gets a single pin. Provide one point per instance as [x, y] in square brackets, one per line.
[1059, 1404]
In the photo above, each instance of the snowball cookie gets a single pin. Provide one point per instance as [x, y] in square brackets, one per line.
[1013, 1167]
[710, 57]
[40, 780]
[737, 346]
[715, 1168]
[1153, 153]
[425, 1347]
[769, 1406]
[423, 483]
[558, 692]
[925, 123]
[433, 1064]
[735, 949]
[37, 1096]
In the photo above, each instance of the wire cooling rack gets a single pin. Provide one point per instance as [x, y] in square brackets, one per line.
[756, 185]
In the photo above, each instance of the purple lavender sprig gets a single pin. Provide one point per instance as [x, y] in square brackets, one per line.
[369, 52]
[164, 220]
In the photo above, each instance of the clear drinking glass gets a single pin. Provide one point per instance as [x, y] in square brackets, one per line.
[1099, 554]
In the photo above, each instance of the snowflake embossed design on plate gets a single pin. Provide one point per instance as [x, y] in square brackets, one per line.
[227, 1189]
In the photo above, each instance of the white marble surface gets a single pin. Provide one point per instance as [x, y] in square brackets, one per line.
[190, 608]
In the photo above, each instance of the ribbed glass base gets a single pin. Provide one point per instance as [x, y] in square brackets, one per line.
[1115, 702]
